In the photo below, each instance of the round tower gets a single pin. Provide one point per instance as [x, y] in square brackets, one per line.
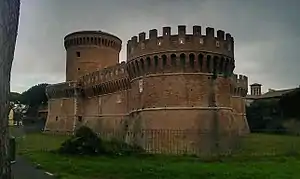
[88, 51]
[181, 81]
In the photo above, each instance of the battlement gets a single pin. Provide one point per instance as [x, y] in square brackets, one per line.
[104, 75]
[140, 45]
[240, 85]
[96, 38]
[62, 90]
[107, 80]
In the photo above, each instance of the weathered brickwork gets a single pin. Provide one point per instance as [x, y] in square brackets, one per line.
[176, 82]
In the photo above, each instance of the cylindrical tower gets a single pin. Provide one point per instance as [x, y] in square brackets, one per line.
[88, 51]
[173, 79]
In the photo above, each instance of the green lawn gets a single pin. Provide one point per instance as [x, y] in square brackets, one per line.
[262, 156]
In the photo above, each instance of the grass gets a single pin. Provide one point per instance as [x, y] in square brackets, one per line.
[262, 156]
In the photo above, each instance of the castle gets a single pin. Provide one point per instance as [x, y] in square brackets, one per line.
[182, 82]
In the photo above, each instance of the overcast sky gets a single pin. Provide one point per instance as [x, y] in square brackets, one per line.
[266, 33]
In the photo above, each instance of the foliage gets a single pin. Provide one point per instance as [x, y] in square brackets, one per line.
[272, 114]
[86, 142]
[14, 97]
[264, 115]
[35, 95]
[290, 103]
[33, 98]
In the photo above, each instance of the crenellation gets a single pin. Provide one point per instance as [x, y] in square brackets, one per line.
[153, 33]
[108, 78]
[228, 37]
[181, 30]
[220, 35]
[166, 31]
[210, 32]
[142, 36]
[197, 30]
[59, 90]
[134, 40]
[139, 46]
[240, 84]
[92, 38]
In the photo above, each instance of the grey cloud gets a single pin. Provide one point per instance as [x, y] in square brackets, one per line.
[265, 32]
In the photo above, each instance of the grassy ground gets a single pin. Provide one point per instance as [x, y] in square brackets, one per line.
[262, 156]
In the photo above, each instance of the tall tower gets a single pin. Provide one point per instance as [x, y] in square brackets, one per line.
[172, 79]
[255, 89]
[88, 51]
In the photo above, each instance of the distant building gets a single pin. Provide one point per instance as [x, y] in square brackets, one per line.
[11, 117]
[255, 93]
[43, 111]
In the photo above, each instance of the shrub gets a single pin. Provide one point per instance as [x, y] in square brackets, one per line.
[86, 142]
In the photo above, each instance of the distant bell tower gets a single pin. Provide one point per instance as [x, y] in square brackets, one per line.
[88, 51]
[255, 89]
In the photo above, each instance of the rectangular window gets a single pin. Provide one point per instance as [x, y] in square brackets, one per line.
[78, 54]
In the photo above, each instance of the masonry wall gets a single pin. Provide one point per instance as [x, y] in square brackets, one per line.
[239, 111]
[106, 112]
[61, 115]
[179, 102]
[91, 58]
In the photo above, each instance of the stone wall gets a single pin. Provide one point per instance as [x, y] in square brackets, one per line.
[105, 112]
[61, 115]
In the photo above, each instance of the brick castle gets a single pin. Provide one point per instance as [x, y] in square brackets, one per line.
[182, 82]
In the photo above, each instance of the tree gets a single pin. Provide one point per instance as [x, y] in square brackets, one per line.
[9, 22]
[290, 104]
[14, 97]
[34, 97]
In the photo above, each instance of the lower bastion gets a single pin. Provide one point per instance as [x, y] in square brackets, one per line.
[174, 94]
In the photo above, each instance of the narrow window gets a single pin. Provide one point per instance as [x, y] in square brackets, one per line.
[156, 61]
[208, 63]
[78, 54]
[164, 58]
[148, 62]
[182, 60]
[200, 61]
[215, 64]
[192, 60]
[142, 64]
[173, 60]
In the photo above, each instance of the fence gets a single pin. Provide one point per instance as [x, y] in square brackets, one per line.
[183, 142]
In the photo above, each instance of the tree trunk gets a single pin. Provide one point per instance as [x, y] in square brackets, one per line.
[9, 22]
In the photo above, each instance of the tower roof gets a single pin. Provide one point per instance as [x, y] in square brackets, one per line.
[91, 32]
[255, 84]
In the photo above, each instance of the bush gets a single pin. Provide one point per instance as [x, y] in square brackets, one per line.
[86, 142]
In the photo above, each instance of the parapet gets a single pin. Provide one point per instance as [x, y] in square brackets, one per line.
[222, 43]
[104, 75]
[62, 90]
[239, 84]
[107, 80]
[97, 38]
